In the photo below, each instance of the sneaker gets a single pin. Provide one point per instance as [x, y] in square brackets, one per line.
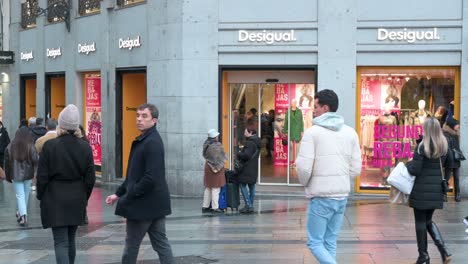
[465, 221]
[205, 210]
[33, 188]
[246, 210]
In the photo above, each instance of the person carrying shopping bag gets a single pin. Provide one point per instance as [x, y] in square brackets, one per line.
[429, 188]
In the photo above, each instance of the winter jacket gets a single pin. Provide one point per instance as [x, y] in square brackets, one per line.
[4, 141]
[144, 195]
[40, 141]
[20, 170]
[213, 152]
[427, 190]
[453, 141]
[296, 125]
[65, 180]
[37, 132]
[329, 157]
[249, 156]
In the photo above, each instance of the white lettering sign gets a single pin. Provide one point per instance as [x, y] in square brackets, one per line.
[27, 56]
[54, 53]
[267, 37]
[129, 43]
[86, 48]
[406, 35]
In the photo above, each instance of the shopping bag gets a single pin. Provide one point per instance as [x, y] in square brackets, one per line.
[401, 179]
[398, 197]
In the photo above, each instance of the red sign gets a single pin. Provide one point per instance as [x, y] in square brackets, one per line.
[93, 116]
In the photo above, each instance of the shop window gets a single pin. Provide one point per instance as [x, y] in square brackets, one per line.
[124, 3]
[394, 102]
[28, 14]
[56, 12]
[88, 7]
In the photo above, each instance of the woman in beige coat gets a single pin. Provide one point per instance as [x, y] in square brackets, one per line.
[214, 179]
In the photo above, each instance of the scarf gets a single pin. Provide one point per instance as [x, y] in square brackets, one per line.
[213, 152]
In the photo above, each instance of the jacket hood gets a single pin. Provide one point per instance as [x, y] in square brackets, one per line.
[39, 130]
[449, 130]
[329, 120]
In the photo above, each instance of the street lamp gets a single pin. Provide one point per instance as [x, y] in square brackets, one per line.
[58, 8]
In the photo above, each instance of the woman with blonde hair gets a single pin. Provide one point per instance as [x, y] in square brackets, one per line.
[428, 190]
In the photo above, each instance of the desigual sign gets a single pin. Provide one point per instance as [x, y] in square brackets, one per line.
[267, 37]
[54, 53]
[86, 48]
[26, 56]
[129, 43]
[405, 35]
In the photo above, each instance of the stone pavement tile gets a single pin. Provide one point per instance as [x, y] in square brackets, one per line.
[253, 258]
[25, 256]
[113, 249]
[245, 236]
[10, 251]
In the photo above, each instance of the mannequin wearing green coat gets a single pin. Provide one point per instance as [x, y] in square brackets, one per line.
[295, 122]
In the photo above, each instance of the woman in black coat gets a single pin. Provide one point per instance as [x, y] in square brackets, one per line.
[4, 141]
[427, 194]
[65, 180]
[249, 173]
[452, 133]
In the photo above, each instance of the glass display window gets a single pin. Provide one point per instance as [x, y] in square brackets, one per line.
[393, 105]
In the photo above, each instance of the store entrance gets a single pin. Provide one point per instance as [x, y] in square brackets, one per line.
[278, 104]
[28, 96]
[131, 92]
[54, 95]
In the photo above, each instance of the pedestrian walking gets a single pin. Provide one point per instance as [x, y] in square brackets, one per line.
[214, 178]
[4, 141]
[428, 194]
[65, 180]
[328, 159]
[39, 129]
[143, 198]
[20, 163]
[51, 126]
[248, 156]
[451, 130]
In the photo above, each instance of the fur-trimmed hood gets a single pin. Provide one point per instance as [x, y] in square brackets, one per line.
[450, 131]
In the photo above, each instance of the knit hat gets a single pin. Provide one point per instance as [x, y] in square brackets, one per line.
[452, 122]
[212, 133]
[69, 118]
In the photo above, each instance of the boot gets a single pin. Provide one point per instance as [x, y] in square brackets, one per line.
[439, 242]
[23, 221]
[456, 187]
[423, 259]
[421, 238]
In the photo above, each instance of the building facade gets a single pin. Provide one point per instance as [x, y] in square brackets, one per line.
[230, 64]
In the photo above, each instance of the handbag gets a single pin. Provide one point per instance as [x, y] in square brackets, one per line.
[458, 155]
[398, 197]
[444, 183]
[401, 179]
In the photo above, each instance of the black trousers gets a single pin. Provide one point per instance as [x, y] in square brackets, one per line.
[64, 244]
[422, 218]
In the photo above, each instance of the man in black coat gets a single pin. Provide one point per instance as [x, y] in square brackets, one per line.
[143, 198]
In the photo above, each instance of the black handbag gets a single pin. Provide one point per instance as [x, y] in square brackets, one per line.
[445, 188]
[458, 155]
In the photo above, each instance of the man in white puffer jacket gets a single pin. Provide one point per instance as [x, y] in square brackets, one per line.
[328, 159]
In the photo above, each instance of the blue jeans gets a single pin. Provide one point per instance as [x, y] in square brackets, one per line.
[324, 218]
[248, 198]
[22, 189]
[136, 231]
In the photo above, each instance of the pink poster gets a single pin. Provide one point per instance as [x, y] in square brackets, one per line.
[93, 116]
[281, 141]
[370, 94]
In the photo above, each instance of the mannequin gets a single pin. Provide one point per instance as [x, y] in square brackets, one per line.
[296, 126]
[387, 119]
[419, 116]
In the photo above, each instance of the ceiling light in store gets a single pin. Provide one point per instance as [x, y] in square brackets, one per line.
[428, 77]
[389, 77]
[407, 78]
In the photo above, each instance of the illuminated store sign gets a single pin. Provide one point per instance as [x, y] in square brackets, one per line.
[409, 36]
[54, 53]
[129, 43]
[86, 48]
[26, 56]
[267, 37]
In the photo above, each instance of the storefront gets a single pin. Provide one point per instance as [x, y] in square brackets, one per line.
[221, 65]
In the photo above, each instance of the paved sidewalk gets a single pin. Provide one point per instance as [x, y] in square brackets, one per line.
[373, 232]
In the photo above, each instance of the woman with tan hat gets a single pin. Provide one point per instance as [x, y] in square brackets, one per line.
[214, 179]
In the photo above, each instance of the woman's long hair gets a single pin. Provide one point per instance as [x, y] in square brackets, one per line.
[434, 141]
[21, 144]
